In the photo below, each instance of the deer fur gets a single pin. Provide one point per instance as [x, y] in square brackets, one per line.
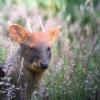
[30, 61]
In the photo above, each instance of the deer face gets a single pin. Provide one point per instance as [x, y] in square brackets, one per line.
[35, 47]
[39, 55]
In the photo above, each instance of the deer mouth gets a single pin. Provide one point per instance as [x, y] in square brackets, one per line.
[35, 68]
[40, 66]
[35, 65]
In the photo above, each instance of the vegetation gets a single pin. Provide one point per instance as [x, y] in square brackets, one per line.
[74, 73]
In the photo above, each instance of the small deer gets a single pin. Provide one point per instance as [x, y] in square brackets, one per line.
[31, 59]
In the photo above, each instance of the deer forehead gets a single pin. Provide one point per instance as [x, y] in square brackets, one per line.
[39, 38]
[21, 35]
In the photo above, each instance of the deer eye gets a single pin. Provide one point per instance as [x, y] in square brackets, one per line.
[31, 48]
[48, 49]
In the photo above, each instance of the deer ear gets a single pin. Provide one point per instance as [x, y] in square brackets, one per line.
[54, 32]
[18, 33]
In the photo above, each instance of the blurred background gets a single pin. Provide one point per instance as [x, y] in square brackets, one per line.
[74, 73]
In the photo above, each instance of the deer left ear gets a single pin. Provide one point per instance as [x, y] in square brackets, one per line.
[18, 33]
[54, 32]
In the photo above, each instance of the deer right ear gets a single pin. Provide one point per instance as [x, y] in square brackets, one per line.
[54, 33]
[18, 33]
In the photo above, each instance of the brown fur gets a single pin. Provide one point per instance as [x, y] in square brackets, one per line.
[26, 76]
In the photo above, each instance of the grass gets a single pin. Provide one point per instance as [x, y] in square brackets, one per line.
[3, 55]
[67, 80]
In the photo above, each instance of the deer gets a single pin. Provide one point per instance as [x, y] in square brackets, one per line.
[30, 60]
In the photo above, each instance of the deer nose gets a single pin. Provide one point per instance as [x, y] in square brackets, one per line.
[44, 65]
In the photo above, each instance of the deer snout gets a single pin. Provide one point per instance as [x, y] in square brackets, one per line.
[44, 65]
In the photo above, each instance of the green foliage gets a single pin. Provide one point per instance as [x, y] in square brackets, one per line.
[56, 88]
[82, 81]
[3, 55]
[2, 2]
[51, 5]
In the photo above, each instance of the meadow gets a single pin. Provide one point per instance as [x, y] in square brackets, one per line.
[74, 72]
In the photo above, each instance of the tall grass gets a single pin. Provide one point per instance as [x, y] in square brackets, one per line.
[74, 73]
